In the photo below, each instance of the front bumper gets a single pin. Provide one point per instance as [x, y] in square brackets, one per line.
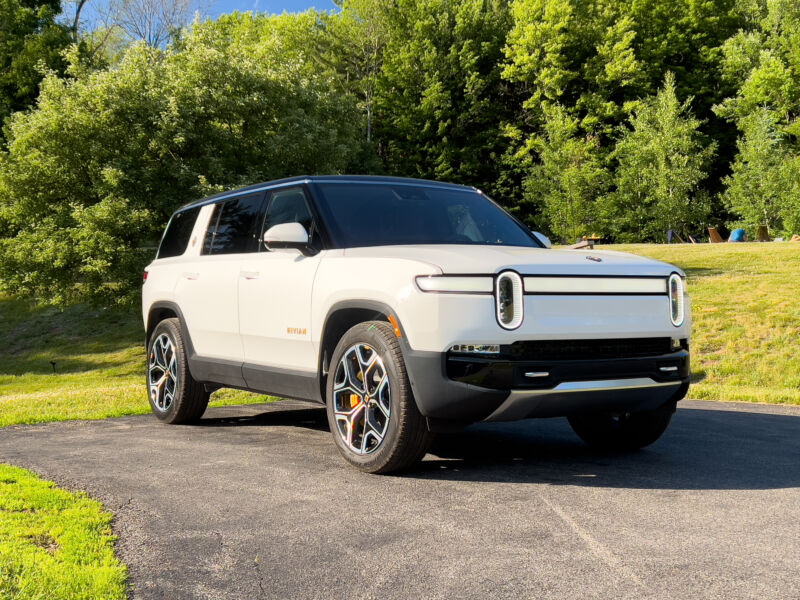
[462, 389]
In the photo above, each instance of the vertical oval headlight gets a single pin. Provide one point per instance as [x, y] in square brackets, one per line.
[508, 299]
[676, 303]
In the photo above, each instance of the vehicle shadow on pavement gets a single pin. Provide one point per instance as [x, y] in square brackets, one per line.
[702, 449]
[309, 418]
[705, 448]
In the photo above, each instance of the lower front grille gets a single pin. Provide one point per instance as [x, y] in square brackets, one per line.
[553, 350]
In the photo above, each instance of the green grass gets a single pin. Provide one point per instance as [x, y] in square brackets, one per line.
[99, 364]
[54, 544]
[745, 341]
[746, 318]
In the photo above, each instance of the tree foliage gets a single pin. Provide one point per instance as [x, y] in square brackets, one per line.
[616, 117]
[662, 160]
[30, 40]
[440, 100]
[92, 175]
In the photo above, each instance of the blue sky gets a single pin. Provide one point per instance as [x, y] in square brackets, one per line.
[273, 6]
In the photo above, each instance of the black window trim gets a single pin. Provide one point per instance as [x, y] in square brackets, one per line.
[215, 216]
[166, 229]
[310, 200]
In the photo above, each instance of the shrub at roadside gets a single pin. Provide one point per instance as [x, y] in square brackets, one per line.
[92, 174]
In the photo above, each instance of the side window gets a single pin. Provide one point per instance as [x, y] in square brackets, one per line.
[234, 225]
[291, 206]
[178, 232]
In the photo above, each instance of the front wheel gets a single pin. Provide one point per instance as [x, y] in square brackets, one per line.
[174, 395]
[371, 411]
[629, 431]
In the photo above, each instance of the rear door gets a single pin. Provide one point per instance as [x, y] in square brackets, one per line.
[275, 290]
[208, 290]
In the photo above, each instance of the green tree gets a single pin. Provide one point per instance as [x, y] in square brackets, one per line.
[30, 41]
[599, 59]
[759, 188]
[440, 101]
[763, 63]
[662, 161]
[91, 175]
[570, 177]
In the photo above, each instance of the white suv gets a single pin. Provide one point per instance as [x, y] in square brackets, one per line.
[408, 307]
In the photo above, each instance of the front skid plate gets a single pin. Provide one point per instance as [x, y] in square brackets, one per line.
[615, 394]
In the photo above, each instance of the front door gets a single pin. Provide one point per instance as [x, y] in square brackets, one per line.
[275, 304]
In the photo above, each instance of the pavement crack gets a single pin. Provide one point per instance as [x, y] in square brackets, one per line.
[600, 550]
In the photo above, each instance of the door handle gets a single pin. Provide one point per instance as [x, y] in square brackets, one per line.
[188, 275]
[249, 274]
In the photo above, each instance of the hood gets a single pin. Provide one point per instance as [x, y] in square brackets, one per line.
[476, 260]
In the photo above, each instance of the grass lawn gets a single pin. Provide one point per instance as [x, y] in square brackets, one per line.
[54, 544]
[99, 364]
[746, 318]
[745, 342]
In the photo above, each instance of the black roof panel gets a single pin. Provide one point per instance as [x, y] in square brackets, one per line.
[320, 179]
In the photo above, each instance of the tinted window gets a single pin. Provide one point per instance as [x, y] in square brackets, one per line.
[291, 206]
[234, 226]
[376, 214]
[178, 232]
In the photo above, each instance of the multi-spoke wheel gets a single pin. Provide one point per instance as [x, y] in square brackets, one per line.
[162, 372]
[174, 395]
[362, 399]
[373, 416]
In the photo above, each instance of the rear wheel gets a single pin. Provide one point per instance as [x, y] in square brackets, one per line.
[629, 431]
[175, 397]
[372, 414]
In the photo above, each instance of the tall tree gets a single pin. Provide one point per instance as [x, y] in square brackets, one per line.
[759, 188]
[31, 40]
[440, 100]
[570, 177]
[92, 174]
[763, 62]
[662, 162]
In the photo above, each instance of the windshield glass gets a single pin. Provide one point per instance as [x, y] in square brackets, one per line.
[380, 214]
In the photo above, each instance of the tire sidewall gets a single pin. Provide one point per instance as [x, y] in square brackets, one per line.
[172, 329]
[367, 333]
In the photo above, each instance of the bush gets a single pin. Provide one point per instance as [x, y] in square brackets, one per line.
[92, 174]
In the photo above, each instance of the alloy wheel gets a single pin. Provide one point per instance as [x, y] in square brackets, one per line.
[162, 372]
[362, 399]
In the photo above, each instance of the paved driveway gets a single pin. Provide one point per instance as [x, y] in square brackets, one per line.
[255, 502]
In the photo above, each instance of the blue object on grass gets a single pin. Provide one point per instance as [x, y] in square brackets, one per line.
[738, 235]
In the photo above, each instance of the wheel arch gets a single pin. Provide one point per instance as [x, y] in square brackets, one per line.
[168, 310]
[340, 318]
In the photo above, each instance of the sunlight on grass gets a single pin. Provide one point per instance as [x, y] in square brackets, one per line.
[745, 340]
[99, 365]
[54, 544]
[746, 318]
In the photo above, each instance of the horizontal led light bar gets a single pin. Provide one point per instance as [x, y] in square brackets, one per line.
[466, 284]
[595, 285]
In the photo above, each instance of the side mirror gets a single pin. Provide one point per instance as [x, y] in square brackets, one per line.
[288, 235]
[542, 239]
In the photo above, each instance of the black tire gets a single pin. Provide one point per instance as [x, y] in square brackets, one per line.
[629, 431]
[188, 399]
[405, 434]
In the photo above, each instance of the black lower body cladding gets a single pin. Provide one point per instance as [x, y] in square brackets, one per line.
[464, 389]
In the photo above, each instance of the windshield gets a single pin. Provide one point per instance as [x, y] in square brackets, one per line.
[380, 214]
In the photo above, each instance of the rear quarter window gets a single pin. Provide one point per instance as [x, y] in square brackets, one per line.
[179, 230]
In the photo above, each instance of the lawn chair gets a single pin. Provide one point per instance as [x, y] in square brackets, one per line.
[713, 236]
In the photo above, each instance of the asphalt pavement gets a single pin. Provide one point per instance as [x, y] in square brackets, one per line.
[255, 502]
